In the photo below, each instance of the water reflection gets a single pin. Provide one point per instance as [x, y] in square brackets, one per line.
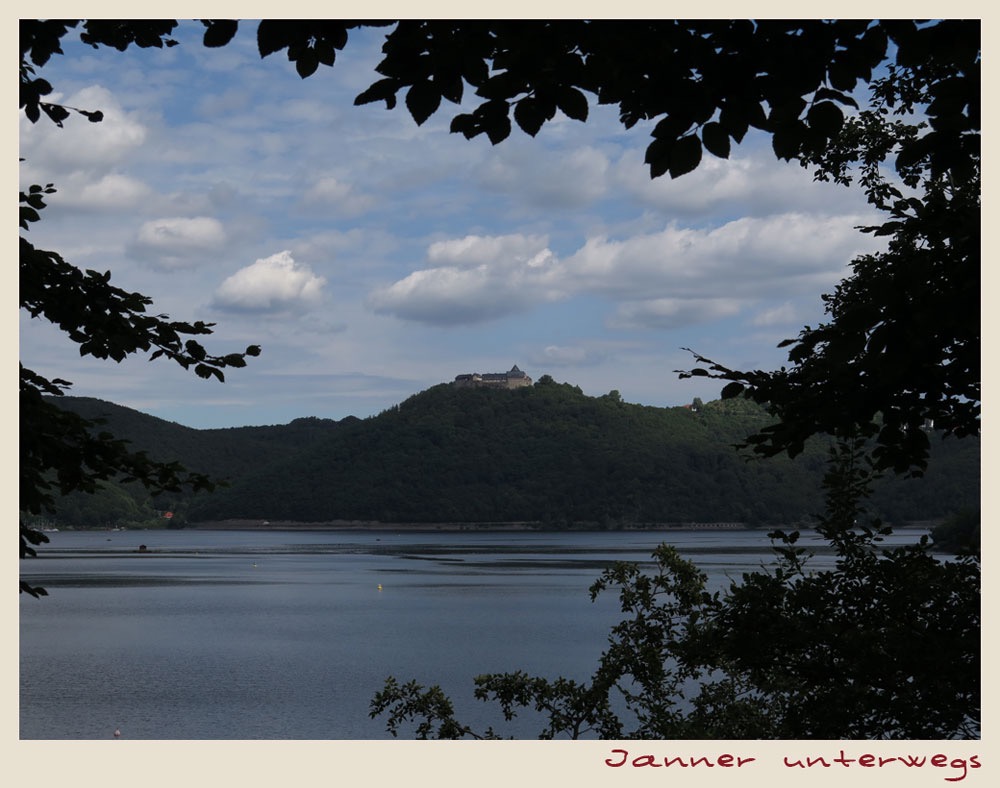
[287, 635]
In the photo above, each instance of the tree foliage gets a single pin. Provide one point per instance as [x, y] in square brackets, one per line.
[706, 83]
[960, 533]
[902, 345]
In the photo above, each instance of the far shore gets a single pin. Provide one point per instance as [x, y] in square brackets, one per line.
[375, 525]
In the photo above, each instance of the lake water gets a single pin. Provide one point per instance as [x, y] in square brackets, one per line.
[289, 634]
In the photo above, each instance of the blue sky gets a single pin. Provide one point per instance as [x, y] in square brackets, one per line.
[372, 258]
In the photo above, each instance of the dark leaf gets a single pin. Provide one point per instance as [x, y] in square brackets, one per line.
[670, 128]
[842, 76]
[685, 156]
[234, 360]
[494, 120]
[786, 142]
[498, 130]
[464, 124]
[826, 118]
[731, 390]
[57, 114]
[734, 122]
[195, 350]
[219, 32]
[529, 115]
[450, 88]
[41, 87]
[573, 103]
[658, 156]
[382, 90]
[825, 94]
[205, 371]
[422, 100]
[272, 36]
[716, 140]
[306, 62]
[326, 53]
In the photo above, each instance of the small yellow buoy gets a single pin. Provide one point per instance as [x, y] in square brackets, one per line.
[379, 586]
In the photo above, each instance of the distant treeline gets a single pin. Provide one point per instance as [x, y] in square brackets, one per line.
[546, 454]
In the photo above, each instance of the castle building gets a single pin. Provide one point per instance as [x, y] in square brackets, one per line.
[498, 380]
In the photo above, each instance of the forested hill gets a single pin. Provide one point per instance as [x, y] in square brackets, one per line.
[221, 453]
[545, 453]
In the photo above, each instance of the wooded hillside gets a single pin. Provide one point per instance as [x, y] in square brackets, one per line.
[545, 454]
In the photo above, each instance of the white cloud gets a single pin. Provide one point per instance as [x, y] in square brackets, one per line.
[111, 191]
[474, 279]
[114, 194]
[748, 258]
[497, 250]
[272, 284]
[82, 146]
[178, 242]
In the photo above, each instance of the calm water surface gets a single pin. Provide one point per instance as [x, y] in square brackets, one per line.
[288, 634]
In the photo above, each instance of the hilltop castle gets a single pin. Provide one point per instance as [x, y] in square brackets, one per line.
[498, 380]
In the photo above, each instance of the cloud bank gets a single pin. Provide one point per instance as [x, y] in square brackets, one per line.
[675, 277]
[473, 280]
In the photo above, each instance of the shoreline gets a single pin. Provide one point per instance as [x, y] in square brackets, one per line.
[456, 527]
[522, 526]
[375, 525]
